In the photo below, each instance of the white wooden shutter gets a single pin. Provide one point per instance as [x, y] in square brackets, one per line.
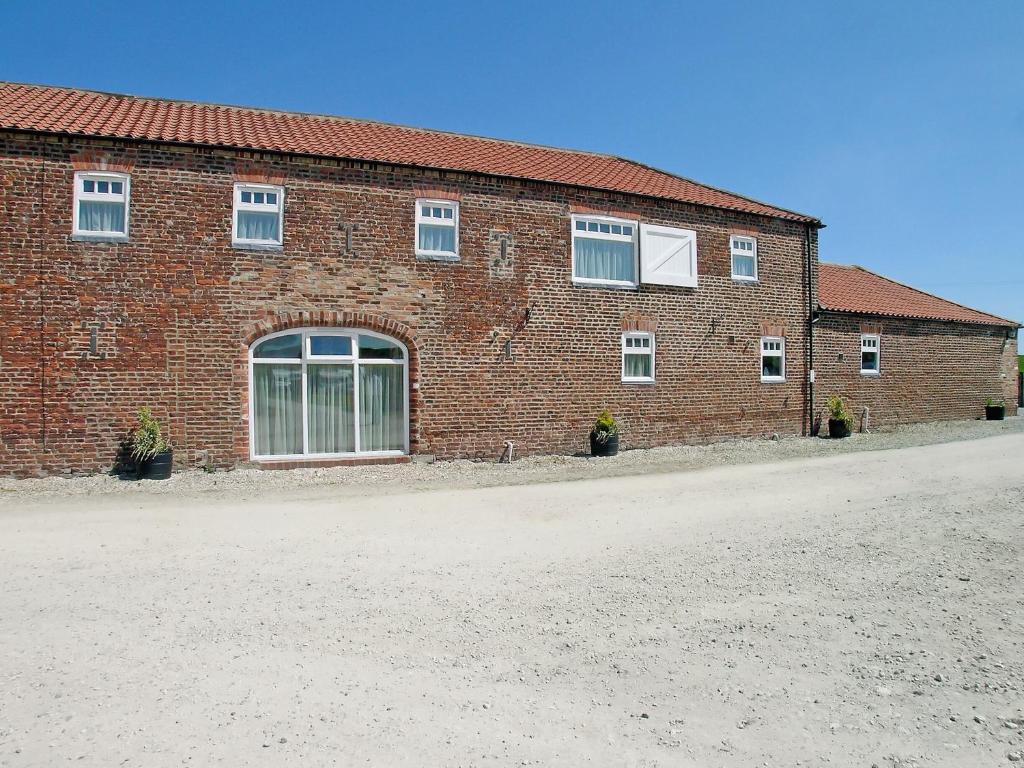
[668, 256]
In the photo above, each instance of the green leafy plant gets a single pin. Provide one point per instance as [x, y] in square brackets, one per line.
[147, 439]
[993, 403]
[837, 410]
[605, 426]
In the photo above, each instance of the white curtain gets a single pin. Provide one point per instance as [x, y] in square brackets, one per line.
[638, 366]
[100, 217]
[381, 408]
[253, 225]
[743, 266]
[331, 411]
[437, 238]
[277, 405]
[604, 259]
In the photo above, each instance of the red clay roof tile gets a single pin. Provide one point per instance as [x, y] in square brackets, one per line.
[855, 289]
[88, 113]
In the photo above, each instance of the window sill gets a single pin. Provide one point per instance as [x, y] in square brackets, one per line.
[745, 280]
[257, 246]
[84, 237]
[638, 381]
[580, 283]
[773, 379]
[871, 374]
[343, 461]
[450, 258]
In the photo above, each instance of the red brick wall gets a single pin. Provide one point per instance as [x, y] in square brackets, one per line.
[930, 371]
[174, 307]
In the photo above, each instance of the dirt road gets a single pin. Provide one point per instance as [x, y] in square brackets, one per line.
[852, 610]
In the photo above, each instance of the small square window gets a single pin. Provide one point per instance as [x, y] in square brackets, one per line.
[258, 216]
[743, 251]
[100, 206]
[773, 359]
[870, 344]
[637, 357]
[437, 230]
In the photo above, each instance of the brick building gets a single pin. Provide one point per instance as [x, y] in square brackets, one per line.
[905, 355]
[284, 288]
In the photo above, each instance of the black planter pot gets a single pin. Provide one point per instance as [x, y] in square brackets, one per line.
[609, 447]
[838, 428]
[995, 412]
[156, 468]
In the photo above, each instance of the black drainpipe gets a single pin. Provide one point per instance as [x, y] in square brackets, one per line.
[41, 277]
[810, 333]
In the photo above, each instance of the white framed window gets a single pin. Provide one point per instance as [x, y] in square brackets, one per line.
[637, 357]
[743, 251]
[773, 358]
[101, 205]
[258, 215]
[437, 229]
[604, 251]
[870, 348]
[327, 392]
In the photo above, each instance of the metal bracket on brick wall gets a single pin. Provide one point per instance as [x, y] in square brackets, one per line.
[348, 229]
[94, 334]
[500, 264]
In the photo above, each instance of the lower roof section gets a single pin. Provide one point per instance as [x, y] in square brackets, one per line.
[857, 290]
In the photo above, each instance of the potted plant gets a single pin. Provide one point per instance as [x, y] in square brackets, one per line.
[995, 410]
[839, 419]
[604, 437]
[149, 448]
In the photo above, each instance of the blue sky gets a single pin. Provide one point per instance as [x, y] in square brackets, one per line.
[899, 124]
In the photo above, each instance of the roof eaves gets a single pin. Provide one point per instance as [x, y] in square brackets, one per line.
[804, 217]
[450, 169]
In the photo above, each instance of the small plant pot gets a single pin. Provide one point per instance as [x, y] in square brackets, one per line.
[156, 468]
[838, 428]
[608, 447]
[995, 412]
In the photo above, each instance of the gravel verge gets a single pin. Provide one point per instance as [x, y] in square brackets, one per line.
[385, 479]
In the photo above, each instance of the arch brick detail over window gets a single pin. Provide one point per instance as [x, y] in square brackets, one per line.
[331, 319]
[94, 160]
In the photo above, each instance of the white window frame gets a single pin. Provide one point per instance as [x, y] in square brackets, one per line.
[452, 205]
[238, 205]
[610, 221]
[633, 351]
[734, 252]
[780, 352]
[305, 361]
[100, 197]
[877, 338]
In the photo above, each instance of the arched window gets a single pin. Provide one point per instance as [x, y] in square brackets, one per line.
[326, 392]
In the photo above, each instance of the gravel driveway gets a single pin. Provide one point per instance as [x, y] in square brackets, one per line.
[850, 609]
